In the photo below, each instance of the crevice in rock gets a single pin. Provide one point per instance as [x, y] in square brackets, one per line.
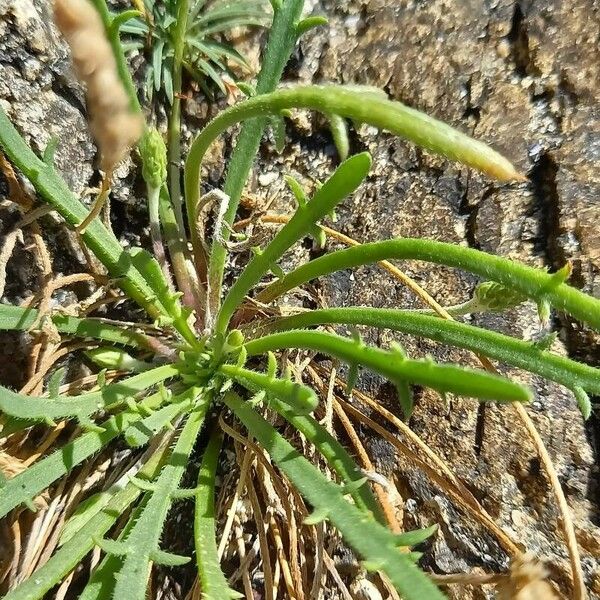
[471, 212]
[472, 112]
[546, 207]
[518, 38]
[580, 346]
[69, 96]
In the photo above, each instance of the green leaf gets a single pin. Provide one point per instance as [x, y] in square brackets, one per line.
[346, 178]
[339, 131]
[45, 472]
[84, 512]
[310, 23]
[374, 542]
[524, 355]
[583, 402]
[21, 319]
[141, 432]
[334, 453]
[97, 238]
[531, 283]
[157, 58]
[116, 358]
[213, 583]
[84, 405]
[300, 398]
[72, 552]
[279, 48]
[443, 378]
[414, 538]
[142, 542]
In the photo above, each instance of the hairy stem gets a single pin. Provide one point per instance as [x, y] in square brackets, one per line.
[282, 39]
[532, 283]
[155, 232]
[174, 132]
[524, 355]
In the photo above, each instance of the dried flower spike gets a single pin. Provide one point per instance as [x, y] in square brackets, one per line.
[115, 127]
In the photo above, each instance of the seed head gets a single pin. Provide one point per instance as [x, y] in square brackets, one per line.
[114, 126]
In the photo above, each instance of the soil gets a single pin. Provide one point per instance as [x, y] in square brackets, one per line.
[520, 75]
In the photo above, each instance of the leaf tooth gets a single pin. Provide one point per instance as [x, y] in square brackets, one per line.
[310, 23]
[317, 516]
[583, 401]
[168, 559]
[112, 546]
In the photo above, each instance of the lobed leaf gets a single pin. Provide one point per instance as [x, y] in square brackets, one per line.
[335, 454]
[21, 319]
[30, 483]
[97, 237]
[141, 546]
[84, 405]
[82, 542]
[532, 283]
[396, 367]
[300, 398]
[213, 583]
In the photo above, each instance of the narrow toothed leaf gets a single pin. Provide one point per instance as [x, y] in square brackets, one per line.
[246, 88]
[336, 456]
[109, 546]
[21, 319]
[143, 484]
[214, 585]
[278, 130]
[297, 190]
[81, 407]
[583, 402]
[140, 432]
[443, 378]
[144, 537]
[29, 484]
[351, 378]
[49, 151]
[54, 382]
[519, 353]
[299, 397]
[530, 282]
[405, 397]
[371, 540]
[102, 242]
[115, 358]
[353, 486]
[317, 516]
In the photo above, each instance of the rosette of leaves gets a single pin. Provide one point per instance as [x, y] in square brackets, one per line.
[210, 351]
[207, 54]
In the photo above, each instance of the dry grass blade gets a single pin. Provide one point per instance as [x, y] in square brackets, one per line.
[478, 513]
[380, 489]
[261, 524]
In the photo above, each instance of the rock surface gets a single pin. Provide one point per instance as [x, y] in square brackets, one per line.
[522, 76]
